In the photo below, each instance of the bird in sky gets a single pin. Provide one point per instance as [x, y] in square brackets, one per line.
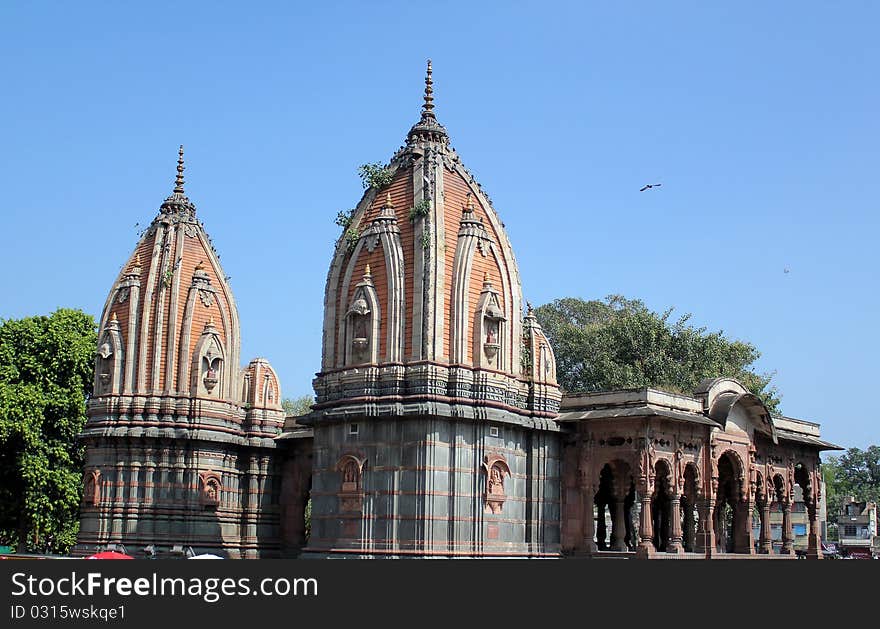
[650, 185]
[785, 270]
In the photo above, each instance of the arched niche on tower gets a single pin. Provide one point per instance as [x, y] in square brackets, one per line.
[108, 361]
[208, 365]
[362, 325]
[490, 330]
[497, 470]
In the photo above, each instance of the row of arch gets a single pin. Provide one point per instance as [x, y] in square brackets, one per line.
[662, 513]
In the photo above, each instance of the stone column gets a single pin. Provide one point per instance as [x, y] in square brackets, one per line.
[787, 536]
[588, 493]
[646, 524]
[673, 544]
[813, 545]
[766, 541]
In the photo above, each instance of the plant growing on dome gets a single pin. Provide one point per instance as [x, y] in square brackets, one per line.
[351, 238]
[420, 209]
[374, 175]
[344, 218]
[426, 237]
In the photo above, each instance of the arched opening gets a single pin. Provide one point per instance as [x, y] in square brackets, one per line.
[727, 519]
[689, 515]
[614, 502]
[660, 504]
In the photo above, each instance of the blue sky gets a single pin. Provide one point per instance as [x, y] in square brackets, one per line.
[759, 119]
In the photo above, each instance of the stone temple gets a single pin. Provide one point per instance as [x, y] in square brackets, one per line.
[438, 430]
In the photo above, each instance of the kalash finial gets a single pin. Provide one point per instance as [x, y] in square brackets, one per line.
[388, 202]
[178, 182]
[367, 272]
[428, 107]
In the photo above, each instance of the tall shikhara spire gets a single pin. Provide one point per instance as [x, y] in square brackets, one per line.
[178, 202]
[428, 107]
[427, 128]
[178, 182]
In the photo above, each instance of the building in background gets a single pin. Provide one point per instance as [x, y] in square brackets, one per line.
[857, 529]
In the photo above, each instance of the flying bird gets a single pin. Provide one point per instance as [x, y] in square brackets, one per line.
[785, 270]
[650, 185]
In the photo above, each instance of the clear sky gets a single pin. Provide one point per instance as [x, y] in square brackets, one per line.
[760, 120]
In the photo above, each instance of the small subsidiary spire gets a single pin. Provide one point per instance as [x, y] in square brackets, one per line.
[178, 182]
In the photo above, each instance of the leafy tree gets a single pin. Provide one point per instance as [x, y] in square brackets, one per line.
[46, 371]
[855, 473]
[619, 343]
[298, 406]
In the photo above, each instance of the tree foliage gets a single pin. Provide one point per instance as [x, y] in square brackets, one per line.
[298, 406]
[619, 343]
[46, 371]
[855, 473]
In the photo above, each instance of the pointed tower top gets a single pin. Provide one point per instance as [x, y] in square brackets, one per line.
[367, 272]
[178, 182]
[428, 106]
[178, 202]
[388, 202]
[427, 128]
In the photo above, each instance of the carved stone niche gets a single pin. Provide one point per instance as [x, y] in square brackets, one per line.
[497, 470]
[92, 491]
[351, 493]
[359, 322]
[210, 490]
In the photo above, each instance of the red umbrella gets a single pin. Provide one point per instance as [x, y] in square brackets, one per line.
[109, 554]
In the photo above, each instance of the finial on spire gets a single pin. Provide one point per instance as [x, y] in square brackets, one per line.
[470, 202]
[367, 271]
[428, 107]
[210, 323]
[485, 277]
[113, 318]
[178, 182]
[388, 202]
[529, 307]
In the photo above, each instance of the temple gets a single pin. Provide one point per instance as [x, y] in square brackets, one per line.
[438, 430]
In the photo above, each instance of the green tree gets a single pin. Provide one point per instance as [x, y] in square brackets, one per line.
[46, 372]
[854, 473]
[298, 406]
[619, 343]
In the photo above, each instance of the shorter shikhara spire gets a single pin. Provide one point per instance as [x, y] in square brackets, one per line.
[178, 201]
[178, 182]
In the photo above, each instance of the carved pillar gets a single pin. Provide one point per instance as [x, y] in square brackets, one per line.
[588, 491]
[673, 544]
[618, 523]
[787, 536]
[813, 544]
[646, 525]
[766, 541]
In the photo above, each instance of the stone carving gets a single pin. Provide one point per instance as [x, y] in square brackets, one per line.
[212, 371]
[496, 471]
[92, 492]
[211, 491]
[206, 297]
[351, 495]
[122, 295]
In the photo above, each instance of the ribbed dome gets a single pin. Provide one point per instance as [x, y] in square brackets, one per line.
[426, 275]
[170, 324]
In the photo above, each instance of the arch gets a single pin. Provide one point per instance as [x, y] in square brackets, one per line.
[109, 361]
[690, 491]
[362, 320]
[208, 373]
[211, 489]
[497, 470]
[661, 511]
